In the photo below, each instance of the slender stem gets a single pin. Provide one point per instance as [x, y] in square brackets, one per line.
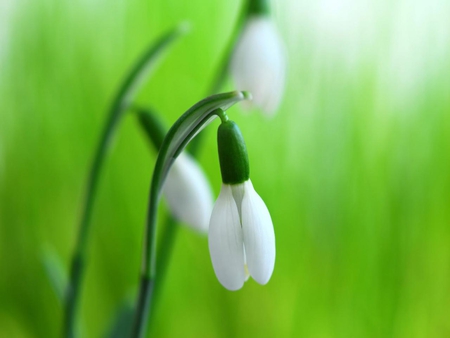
[156, 131]
[165, 251]
[121, 102]
[164, 254]
[148, 262]
[77, 265]
[142, 307]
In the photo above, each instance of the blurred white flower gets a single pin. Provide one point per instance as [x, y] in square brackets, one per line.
[258, 64]
[241, 237]
[188, 193]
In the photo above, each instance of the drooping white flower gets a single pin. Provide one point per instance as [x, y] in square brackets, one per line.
[241, 237]
[258, 63]
[188, 193]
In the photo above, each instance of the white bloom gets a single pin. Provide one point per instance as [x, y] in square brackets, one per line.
[259, 63]
[241, 237]
[188, 193]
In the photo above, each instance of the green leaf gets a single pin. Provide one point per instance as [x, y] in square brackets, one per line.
[143, 67]
[153, 126]
[136, 78]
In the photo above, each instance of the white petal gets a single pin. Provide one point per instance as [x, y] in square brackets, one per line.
[188, 193]
[259, 237]
[259, 64]
[225, 241]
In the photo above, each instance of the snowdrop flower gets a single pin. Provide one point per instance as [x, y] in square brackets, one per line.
[258, 63]
[188, 193]
[241, 235]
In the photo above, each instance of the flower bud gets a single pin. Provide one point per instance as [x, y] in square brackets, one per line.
[258, 64]
[188, 193]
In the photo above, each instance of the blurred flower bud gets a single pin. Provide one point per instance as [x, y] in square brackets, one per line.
[188, 193]
[258, 63]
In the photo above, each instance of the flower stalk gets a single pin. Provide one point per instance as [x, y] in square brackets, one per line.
[122, 100]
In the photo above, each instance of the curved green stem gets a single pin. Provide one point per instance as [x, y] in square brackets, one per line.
[184, 129]
[155, 131]
[164, 253]
[121, 102]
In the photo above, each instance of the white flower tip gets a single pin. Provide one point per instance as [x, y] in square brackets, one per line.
[259, 64]
[188, 193]
[233, 286]
[264, 277]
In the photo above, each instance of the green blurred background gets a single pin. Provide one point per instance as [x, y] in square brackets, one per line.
[355, 167]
